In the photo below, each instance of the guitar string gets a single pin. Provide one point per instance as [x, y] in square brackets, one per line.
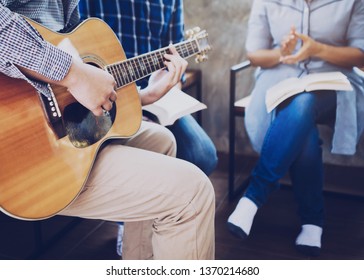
[149, 57]
[153, 59]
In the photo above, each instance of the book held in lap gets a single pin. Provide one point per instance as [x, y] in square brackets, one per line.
[312, 82]
[173, 105]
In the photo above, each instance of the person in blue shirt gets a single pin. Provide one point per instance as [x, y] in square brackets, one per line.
[143, 26]
[287, 39]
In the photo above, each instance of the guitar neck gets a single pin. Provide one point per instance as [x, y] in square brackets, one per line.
[136, 68]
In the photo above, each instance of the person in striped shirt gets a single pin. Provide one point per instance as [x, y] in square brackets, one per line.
[137, 181]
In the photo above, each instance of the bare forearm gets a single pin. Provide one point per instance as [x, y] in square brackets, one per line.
[265, 58]
[147, 96]
[341, 56]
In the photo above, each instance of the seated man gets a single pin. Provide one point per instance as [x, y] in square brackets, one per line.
[144, 26]
[134, 182]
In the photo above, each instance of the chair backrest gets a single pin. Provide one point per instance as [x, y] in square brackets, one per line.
[234, 71]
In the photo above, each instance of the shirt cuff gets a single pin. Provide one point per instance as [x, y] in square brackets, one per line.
[61, 63]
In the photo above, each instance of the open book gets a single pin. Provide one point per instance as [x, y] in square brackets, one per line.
[317, 81]
[174, 105]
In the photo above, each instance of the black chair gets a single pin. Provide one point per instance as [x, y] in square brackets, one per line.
[236, 109]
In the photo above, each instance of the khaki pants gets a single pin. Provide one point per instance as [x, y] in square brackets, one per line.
[168, 204]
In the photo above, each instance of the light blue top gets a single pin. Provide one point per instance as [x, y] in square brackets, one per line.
[333, 22]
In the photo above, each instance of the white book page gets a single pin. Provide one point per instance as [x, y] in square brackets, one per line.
[282, 91]
[311, 82]
[174, 105]
[283, 87]
[323, 77]
[330, 85]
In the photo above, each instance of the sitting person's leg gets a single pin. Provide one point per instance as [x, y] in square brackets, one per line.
[154, 138]
[285, 139]
[157, 140]
[193, 144]
[138, 240]
[129, 184]
[306, 175]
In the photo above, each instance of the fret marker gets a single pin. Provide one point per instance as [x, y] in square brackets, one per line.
[155, 60]
[142, 65]
[131, 71]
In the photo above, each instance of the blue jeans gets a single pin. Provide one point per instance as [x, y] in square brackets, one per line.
[193, 144]
[292, 144]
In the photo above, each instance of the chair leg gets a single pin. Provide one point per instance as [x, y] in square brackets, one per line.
[234, 191]
[231, 156]
[199, 96]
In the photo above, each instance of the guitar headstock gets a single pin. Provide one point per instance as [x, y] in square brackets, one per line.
[201, 38]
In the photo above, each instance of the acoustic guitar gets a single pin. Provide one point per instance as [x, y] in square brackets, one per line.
[48, 145]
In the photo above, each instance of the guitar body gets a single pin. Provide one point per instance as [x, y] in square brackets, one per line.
[41, 173]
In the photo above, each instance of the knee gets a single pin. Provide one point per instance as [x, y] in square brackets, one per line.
[209, 191]
[210, 163]
[205, 194]
[166, 142]
[207, 160]
[170, 146]
[300, 107]
[203, 155]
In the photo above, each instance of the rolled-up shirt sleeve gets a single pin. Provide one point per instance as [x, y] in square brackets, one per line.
[259, 36]
[22, 45]
[355, 34]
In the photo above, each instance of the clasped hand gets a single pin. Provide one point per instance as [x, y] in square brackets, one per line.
[309, 47]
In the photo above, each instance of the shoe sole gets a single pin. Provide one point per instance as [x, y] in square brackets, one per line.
[237, 231]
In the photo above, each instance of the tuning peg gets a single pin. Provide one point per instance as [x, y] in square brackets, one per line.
[198, 59]
[189, 33]
[201, 58]
[208, 48]
[192, 32]
[204, 57]
[196, 29]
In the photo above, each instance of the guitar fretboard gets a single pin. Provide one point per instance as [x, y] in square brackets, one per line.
[138, 67]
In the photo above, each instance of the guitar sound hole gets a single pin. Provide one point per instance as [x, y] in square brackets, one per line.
[83, 127]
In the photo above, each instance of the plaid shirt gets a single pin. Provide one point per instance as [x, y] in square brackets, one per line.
[141, 25]
[22, 45]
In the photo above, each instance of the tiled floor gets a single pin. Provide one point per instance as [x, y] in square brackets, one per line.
[272, 237]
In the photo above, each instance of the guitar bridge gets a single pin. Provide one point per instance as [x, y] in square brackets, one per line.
[53, 114]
